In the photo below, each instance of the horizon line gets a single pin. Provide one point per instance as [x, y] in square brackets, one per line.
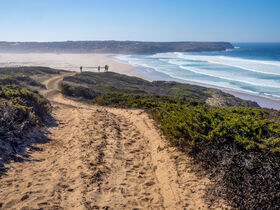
[108, 40]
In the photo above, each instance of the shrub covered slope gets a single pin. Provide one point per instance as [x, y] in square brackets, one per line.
[21, 109]
[237, 143]
[88, 85]
[26, 71]
[239, 146]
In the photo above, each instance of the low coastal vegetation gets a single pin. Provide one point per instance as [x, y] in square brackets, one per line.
[234, 140]
[21, 109]
[26, 76]
[20, 80]
[88, 85]
[237, 143]
[188, 122]
[239, 146]
[26, 71]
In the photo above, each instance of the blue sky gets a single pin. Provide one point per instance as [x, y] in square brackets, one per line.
[144, 20]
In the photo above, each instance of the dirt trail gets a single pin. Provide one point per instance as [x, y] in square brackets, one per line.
[101, 158]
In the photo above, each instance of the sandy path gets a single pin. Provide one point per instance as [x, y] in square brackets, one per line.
[101, 158]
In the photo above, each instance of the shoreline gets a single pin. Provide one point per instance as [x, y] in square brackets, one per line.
[68, 61]
[72, 62]
[263, 102]
[150, 74]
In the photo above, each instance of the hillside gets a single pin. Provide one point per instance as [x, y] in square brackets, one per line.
[22, 110]
[89, 85]
[132, 144]
[94, 157]
[123, 47]
[238, 146]
[30, 77]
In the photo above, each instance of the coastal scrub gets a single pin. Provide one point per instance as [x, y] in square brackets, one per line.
[238, 146]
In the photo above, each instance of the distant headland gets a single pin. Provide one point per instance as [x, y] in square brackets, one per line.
[123, 47]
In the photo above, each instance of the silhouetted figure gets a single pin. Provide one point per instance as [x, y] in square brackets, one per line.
[81, 69]
[98, 68]
[106, 68]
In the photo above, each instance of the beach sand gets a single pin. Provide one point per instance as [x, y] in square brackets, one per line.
[72, 62]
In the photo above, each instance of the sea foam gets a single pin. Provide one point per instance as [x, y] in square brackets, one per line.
[217, 69]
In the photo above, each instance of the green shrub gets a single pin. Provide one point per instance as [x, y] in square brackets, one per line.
[77, 91]
[19, 80]
[27, 70]
[239, 146]
[189, 121]
[21, 109]
[108, 82]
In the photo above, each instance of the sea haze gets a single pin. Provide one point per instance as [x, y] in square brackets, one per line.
[252, 68]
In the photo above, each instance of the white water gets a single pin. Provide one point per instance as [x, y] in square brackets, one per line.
[261, 77]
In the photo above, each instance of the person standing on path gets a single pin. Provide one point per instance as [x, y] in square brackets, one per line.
[106, 68]
[81, 69]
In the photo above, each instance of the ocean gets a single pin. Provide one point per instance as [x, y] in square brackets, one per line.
[252, 68]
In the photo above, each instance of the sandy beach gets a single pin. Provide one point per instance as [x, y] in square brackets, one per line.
[72, 62]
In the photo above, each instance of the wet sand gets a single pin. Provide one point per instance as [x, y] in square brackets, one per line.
[262, 101]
